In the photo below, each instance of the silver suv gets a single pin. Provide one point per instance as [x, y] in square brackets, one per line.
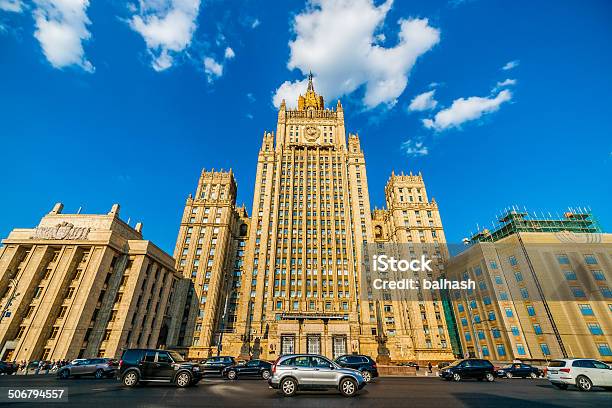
[98, 367]
[294, 372]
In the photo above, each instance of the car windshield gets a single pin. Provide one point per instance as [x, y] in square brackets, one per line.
[455, 363]
[176, 357]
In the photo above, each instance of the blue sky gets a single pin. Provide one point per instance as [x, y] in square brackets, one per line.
[127, 102]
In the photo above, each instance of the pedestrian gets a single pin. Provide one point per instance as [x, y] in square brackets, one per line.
[429, 366]
[417, 368]
[47, 366]
[27, 367]
[39, 367]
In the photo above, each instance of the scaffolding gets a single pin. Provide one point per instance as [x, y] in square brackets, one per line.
[513, 220]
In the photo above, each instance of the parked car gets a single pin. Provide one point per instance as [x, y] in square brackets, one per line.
[469, 368]
[98, 367]
[294, 372]
[216, 365]
[164, 366]
[584, 373]
[519, 370]
[253, 368]
[7, 368]
[364, 364]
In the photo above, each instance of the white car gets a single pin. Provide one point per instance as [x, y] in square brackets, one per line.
[584, 373]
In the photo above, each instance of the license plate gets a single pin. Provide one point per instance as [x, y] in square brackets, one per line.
[554, 372]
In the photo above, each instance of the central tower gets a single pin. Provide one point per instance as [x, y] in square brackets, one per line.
[310, 216]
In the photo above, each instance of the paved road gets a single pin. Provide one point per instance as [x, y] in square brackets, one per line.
[384, 392]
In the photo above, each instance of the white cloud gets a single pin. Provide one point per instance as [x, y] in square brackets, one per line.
[337, 40]
[167, 26]
[413, 148]
[13, 6]
[423, 102]
[465, 109]
[505, 83]
[255, 23]
[61, 28]
[229, 53]
[289, 91]
[510, 65]
[212, 69]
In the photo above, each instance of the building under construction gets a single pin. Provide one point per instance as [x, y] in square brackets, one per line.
[543, 289]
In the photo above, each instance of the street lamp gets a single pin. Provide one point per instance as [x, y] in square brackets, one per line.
[11, 297]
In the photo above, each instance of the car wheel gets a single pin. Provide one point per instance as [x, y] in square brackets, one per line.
[265, 374]
[348, 387]
[490, 377]
[533, 375]
[583, 383]
[288, 387]
[508, 375]
[64, 374]
[130, 379]
[367, 376]
[99, 374]
[231, 374]
[561, 386]
[183, 379]
[456, 377]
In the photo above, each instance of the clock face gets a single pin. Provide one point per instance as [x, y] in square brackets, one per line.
[311, 133]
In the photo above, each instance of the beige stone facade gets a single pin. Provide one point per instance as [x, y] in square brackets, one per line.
[287, 278]
[82, 285]
[540, 295]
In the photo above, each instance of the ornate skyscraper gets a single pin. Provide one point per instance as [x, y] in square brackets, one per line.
[299, 288]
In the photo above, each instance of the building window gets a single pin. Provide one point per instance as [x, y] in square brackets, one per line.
[545, 349]
[496, 333]
[498, 280]
[520, 349]
[606, 292]
[537, 329]
[524, 293]
[468, 336]
[595, 329]
[563, 259]
[501, 350]
[515, 331]
[586, 310]
[491, 316]
[503, 296]
[531, 311]
[512, 260]
[485, 351]
[578, 292]
[604, 350]
[570, 275]
[598, 276]
[590, 259]
[509, 312]
[518, 276]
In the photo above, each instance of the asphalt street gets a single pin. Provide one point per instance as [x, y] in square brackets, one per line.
[384, 392]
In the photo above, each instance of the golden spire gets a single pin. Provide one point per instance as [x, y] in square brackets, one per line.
[310, 100]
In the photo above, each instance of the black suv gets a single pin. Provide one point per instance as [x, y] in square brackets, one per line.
[216, 365]
[470, 368]
[148, 365]
[361, 363]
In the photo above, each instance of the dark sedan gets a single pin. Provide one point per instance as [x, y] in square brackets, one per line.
[216, 365]
[519, 370]
[364, 364]
[469, 368]
[7, 368]
[253, 368]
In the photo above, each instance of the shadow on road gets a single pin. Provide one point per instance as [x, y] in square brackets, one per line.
[474, 399]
